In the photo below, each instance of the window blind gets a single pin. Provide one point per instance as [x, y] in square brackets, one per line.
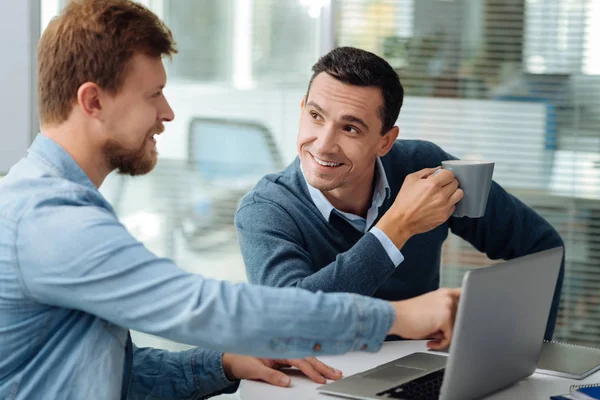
[511, 81]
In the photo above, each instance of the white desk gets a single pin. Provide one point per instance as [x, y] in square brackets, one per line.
[537, 386]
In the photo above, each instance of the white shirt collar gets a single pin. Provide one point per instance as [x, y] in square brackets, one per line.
[380, 193]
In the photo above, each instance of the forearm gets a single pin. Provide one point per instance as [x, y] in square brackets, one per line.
[508, 230]
[119, 280]
[160, 374]
[288, 323]
[395, 230]
[362, 270]
[275, 254]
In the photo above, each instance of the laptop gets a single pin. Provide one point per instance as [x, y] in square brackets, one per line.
[502, 315]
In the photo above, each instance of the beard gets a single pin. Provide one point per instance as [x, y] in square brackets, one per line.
[134, 162]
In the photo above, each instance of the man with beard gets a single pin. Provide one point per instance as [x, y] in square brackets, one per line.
[73, 281]
[359, 211]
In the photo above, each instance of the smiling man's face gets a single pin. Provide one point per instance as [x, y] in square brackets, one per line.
[135, 115]
[340, 134]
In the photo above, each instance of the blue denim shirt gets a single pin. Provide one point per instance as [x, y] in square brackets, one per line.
[73, 281]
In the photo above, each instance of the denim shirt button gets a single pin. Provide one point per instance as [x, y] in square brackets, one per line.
[317, 347]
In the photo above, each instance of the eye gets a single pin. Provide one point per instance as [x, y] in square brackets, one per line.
[351, 129]
[157, 94]
[315, 115]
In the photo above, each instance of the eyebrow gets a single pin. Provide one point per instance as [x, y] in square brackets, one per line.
[316, 107]
[347, 117]
[155, 88]
[352, 118]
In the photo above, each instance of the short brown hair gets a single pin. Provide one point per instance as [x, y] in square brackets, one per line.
[93, 41]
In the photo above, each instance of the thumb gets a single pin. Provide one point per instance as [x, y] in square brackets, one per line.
[273, 376]
[425, 173]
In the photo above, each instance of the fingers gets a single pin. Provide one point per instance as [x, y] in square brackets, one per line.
[308, 370]
[324, 369]
[450, 188]
[272, 376]
[436, 336]
[457, 196]
[443, 338]
[448, 330]
[442, 177]
[447, 326]
[425, 173]
[437, 345]
[451, 211]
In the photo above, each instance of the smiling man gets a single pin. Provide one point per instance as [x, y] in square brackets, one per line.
[73, 280]
[359, 211]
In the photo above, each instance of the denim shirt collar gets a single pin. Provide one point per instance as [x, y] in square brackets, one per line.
[55, 157]
[380, 193]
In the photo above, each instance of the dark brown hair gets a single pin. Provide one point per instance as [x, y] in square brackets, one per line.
[93, 41]
[363, 68]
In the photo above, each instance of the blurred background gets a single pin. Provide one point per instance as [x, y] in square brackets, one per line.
[514, 81]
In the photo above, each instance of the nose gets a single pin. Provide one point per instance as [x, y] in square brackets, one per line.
[326, 140]
[167, 113]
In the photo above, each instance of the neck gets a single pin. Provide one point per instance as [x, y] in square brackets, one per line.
[355, 199]
[81, 147]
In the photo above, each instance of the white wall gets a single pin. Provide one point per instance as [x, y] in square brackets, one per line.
[277, 109]
[19, 32]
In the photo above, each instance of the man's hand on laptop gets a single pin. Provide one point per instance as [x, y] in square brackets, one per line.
[268, 370]
[426, 200]
[429, 316]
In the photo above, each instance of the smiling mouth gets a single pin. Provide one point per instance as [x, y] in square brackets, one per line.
[326, 163]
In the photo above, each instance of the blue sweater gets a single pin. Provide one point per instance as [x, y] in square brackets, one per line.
[285, 240]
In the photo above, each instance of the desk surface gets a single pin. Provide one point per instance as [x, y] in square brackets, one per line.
[537, 386]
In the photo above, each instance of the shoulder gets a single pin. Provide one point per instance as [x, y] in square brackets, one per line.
[280, 200]
[63, 231]
[424, 151]
[23, 196]
[410, 156]
[280, 189]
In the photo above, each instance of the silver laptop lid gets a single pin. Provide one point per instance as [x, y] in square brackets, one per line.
[513, 301]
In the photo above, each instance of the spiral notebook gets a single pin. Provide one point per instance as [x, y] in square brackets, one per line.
[580, 392]
[568, 360]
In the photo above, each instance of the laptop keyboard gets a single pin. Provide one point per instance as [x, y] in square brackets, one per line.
[423, 388]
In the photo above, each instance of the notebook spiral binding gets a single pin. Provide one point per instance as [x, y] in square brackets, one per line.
[576, 387]
[572, 344]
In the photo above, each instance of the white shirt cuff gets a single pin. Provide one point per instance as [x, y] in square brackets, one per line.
[389, 246]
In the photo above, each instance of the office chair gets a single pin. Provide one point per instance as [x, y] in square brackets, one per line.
[231, 156]
[227, 152]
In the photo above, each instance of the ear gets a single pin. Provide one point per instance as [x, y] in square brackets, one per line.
[89, 99]
[387, 141]
[303, 103]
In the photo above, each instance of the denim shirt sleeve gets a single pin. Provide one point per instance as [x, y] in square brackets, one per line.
[81, 257]
[161, 374]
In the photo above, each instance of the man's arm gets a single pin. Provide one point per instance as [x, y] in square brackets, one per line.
[510, 229]
[82, 258]
[191, 374]
[274, 253]
[198, 373]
